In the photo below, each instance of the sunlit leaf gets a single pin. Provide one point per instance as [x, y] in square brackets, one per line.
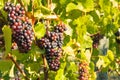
[69, 8]
[73, 67]
[105, 5]
[86, 5]
[39, 30]
[7, 37]
[102, 62]
[99, 63]
[69, 30]
[60, 75]
[110, 55]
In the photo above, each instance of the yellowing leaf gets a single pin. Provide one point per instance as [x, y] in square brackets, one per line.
[110, 55]
[11, 74]
[60, 75]
[88, 54]
[99, 63]
[69, 50]
[39, 30]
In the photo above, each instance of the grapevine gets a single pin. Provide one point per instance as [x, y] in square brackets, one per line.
[59, 39]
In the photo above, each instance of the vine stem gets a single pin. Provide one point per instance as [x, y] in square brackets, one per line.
[16, 64]
[45, 68]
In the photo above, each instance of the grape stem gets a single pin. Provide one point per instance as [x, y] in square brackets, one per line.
[16, 64]
[45, 68]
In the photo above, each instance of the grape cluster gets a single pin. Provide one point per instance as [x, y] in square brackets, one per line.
[117, 34]
[96, 38]
[52, 42]
[22, 32]
[83, 71]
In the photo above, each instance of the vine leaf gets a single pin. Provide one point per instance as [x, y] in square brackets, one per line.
[99, 63]
[39, 30]
[83, 5]
[87, 5]
[105, 5]
[69, 8]
[60, 75]
[110, 55]
[5, 65]
[7, 38]
[103, 62]
[95, 16]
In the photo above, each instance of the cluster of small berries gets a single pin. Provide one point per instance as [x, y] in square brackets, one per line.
[83, 71]
[52, 42]
[22, 32]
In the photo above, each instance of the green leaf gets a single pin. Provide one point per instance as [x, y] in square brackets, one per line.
[73, 67]
[95, 16]
[5, 65]
[74, 14]
[110, 55]
[20, 56]
[71, 70]
[60, 75]
[103, 62]
[26, 2]
[63, 1]
[3, 14]
[83, 5]
[86, 5]
[33, 67]
[69, 8]
[7, 38]
[45, 10]
[39, 30]
[82, 55]
[92, 66]
[105, 5]
[30, 5]
[66, 40]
